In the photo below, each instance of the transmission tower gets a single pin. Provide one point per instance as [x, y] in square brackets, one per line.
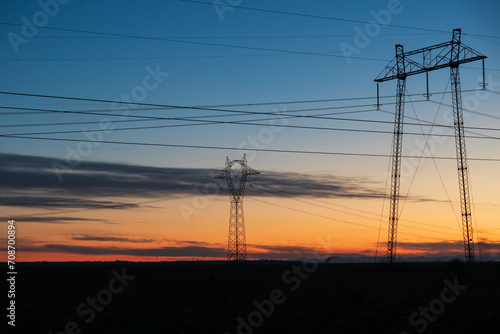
[449, 54]
[236, 244]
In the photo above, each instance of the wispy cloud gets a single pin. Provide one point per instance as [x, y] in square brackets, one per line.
[141, 252]
[111, 239]
[446, 247]
[325, 185]
[31, 182]
[182, 248]
[175, 248]
[59, 220]
[281, 249]
[34, 201]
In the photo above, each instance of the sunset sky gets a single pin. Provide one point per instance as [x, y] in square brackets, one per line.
[89, 176]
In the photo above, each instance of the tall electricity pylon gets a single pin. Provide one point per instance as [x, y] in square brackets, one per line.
[236, 245]
[449, 54]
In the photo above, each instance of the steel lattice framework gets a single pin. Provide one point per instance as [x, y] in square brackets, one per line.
[236, 245]
[450, 54]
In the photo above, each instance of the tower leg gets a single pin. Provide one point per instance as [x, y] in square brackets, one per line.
[397, 146]
[463, 173]
[241, 245]
[236, 245]
[232, 250]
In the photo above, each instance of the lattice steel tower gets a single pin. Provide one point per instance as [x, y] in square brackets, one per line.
[449, 54]
[236, 244]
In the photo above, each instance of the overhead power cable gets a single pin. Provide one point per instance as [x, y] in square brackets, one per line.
[168, 106]
[202, 108]
[248, 122]
[227, 37]
[331, 218]
[201, 118]
[170, 57]
[248, 104]
[325, 17]
[197, 121]
[310, 202]
[242, 148]
[105, 206]
[98, 112]
[194, 42]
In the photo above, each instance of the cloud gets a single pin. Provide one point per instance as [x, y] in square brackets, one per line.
[280, 249]
[175, 248]
[188, 251]
[118, 239]
[31, 181]
[429, 251]
[34, 201]
[446, 247]
[321, 186]
[59, 220]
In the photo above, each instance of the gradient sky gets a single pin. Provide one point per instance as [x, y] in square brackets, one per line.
[130, 202]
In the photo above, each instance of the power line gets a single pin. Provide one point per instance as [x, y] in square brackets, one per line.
[197, 118]
[249, 104]
[148, 104]
[331, 100]
[168, 57]
[471, 111]
[434, 162]
[97, 112]
[241, 122]
[113, 206]
[309, 15]
[480, 68]
[38, 111]
[492, 91]
[245, 122]
[48, 111]
[204, 108]
[119, 194]
[325, 17]
[211, 108]
[194, 42]
[331, 218]
[248, 122]
[230, 37]
[105, 206]
[242, 148]
[354, 214]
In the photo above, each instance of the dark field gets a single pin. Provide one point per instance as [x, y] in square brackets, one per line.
[205, 297]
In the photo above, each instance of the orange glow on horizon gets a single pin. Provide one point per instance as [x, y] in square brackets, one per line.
[276, 228]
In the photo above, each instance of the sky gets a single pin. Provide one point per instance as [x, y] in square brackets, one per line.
[90, 176]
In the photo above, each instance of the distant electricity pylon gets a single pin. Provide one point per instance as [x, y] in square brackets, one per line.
[236, 245]
[449, 54]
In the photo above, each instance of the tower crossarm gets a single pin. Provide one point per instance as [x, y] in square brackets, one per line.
[431, 58]
[237, 189]
[246, 171]
[225, 174]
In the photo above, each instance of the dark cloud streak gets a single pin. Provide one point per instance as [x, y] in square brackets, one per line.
[59, 220]
[161, 251]
[112, 239]
[31, 182]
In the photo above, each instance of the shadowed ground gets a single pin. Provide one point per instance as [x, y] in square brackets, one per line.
[270, 297]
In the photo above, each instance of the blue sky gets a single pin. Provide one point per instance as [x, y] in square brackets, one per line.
[252, 76]
[242, 69]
